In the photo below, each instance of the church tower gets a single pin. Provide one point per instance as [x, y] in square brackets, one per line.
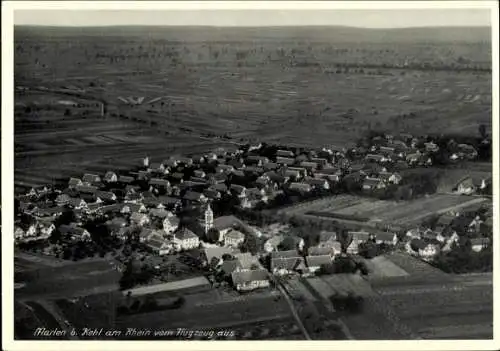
[208, 219]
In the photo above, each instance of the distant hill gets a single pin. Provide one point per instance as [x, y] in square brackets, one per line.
[312, 33]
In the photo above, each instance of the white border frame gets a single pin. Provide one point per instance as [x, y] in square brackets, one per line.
[8, 180]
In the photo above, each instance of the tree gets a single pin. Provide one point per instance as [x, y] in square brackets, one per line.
[482, 131]
[288, 243]
[345, 238]
[213, 235]
[250, 244]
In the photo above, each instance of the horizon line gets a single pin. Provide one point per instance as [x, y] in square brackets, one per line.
[236, 26]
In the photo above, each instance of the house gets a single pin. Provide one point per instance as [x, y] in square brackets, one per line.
[425, 250]
[157, 167]
[247, 261]
[413, 158]
[285, 153]
[222, 188]
[184, 239]
[228, 267]
[77, 203]
[74, 182]
[309, 165]
[221, 168]
[256, 160]
[317, 183]
[159, 245]
[375, 158]
[160, 183]
[198, 180]
[160, 213]
[283, 265]
[125, 179]
[358, 237]
[199, 173]
[291, 173]
[238, 190]
[285, 161]
[86, 189]
[195, 197]
[389, 177]
[319, 161]
[233, 238]
[225, 224]
[469, 185]
[105, 195]
[170, 163]
[170, 223]
[250, 280]
[329, 240]
[320, 251]
[277, 178]
[130, 208]
[94, 207]
[90, 179]
[145, 234]
[387, 151]
[468, 151]
[253, 170]
[314, 263]
[300, 187]
[431, 147]
[46, 228]
[187, 161]
[212, 194]
[465, 186]
[272, 243]
[373, 183]
[430, 235]
[62, 199]
[74, 232]
[177, 176]
[270, 166]
[110, 177]
[238, 174]
[478, 244]
[139, 219]
[330, 177]
[386, 238]
[170, 202]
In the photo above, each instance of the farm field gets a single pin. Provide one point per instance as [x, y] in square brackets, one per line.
[371, 211]
[380, 267]
[317, 88]
[76, 279]
[443, 310]
[217, 316]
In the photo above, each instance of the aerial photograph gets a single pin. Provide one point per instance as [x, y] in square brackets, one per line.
[253, 175]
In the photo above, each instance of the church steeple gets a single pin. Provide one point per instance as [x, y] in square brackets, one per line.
[208, 218]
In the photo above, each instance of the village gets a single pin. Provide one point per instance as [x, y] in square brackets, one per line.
[189, 216]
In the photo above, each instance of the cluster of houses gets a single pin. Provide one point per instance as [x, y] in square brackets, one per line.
[450, 229]
[147, 202]
[398, 153]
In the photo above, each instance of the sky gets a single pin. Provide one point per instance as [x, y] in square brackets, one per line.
[396, 18]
